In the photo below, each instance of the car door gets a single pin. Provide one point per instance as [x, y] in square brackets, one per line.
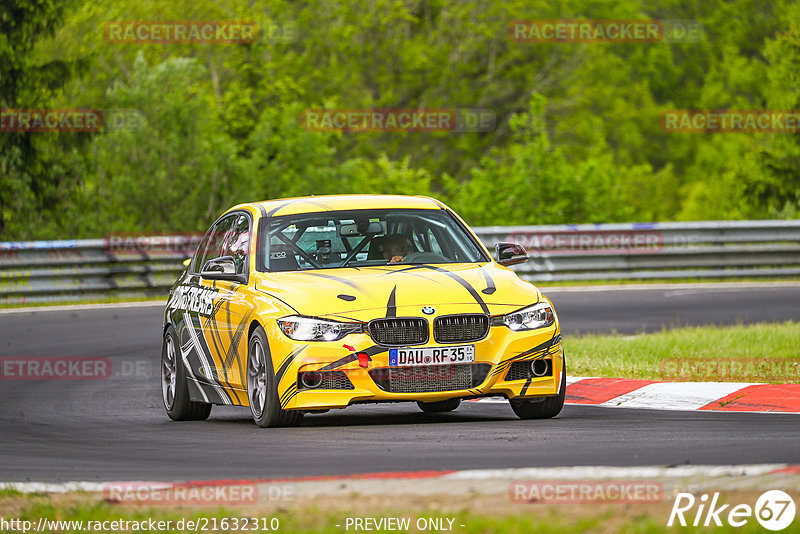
[193, 305]
[211, 316]
[229, 323]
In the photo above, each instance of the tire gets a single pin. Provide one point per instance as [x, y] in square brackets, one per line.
[439, 406]
[542, 409]
[262, 386]
[174, 388]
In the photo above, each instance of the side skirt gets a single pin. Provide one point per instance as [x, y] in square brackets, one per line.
[200, 391]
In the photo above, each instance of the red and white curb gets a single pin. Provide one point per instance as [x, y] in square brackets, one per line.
[705, 396]
[462, 482]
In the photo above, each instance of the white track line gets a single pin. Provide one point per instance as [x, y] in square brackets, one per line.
[607, 472]
[530, 473]
[88, 307]
[676, 395]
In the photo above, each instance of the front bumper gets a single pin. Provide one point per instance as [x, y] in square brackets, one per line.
[498, 351]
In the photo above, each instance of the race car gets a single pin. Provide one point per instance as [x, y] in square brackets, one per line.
[303, 305]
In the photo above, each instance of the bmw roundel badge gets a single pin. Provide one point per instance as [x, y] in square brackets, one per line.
[428, 310]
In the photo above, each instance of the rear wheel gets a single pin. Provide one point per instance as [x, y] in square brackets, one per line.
[174, 389]
[542, 408]
[439, 406]
[262, 386]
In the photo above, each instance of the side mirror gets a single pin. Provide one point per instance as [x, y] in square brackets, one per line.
[510, 253]
[222, 268]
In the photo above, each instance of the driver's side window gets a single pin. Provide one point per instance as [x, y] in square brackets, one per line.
[238, 244]
[214, 243]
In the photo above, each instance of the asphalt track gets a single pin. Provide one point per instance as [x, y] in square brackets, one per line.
[115, 429]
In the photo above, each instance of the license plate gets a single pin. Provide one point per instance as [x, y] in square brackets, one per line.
[431, 355]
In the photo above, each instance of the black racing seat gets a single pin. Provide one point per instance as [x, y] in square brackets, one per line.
[376, 248]
[282, 258]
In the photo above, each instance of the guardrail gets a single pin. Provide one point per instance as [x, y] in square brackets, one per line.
[646, 251]
[123, 266]
[117, 266]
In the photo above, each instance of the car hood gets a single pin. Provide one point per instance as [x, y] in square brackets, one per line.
[400, 290]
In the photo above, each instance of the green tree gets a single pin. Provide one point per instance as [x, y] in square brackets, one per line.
[32, 187]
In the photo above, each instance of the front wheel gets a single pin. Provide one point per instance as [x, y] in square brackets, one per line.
[439, 406]
[262, 386]
[545, 408]
[174, 389]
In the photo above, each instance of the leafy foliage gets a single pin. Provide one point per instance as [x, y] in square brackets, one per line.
[577, 136]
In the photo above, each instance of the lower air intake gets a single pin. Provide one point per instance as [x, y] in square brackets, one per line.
[523, 371]
[430, 378]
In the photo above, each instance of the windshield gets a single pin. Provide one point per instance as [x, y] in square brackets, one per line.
[360, 238]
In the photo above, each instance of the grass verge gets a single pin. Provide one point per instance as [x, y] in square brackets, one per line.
[765, 352]
[492, 514]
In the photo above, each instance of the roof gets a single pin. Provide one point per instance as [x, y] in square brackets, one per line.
[314, 204]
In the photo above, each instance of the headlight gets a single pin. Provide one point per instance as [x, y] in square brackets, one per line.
[539, 315]
[310, 329]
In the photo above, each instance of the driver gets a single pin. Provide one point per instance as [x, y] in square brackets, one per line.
[396, 248]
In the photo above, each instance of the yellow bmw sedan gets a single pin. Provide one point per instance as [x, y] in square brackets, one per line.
[303, 305]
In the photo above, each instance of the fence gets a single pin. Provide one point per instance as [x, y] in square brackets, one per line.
[147, 266]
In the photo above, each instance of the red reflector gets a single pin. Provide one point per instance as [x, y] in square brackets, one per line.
[363, 359]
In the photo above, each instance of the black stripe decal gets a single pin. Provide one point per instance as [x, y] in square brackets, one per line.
[288, 399]
[317, 204]
[541, 348]
[292, 355]
[211, 324]
[274, 210]
[207, 353]
[212, 394]
[371, 351]
[525, 387]
[340, 362]
[287, 393]
[233, 350]
[336, 278]
[455, 277]
[490, 287]
[391, 306]
[396, 271]
[344, 317]
[464, 283]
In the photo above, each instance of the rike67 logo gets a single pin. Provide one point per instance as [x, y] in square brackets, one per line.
[774, 510]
